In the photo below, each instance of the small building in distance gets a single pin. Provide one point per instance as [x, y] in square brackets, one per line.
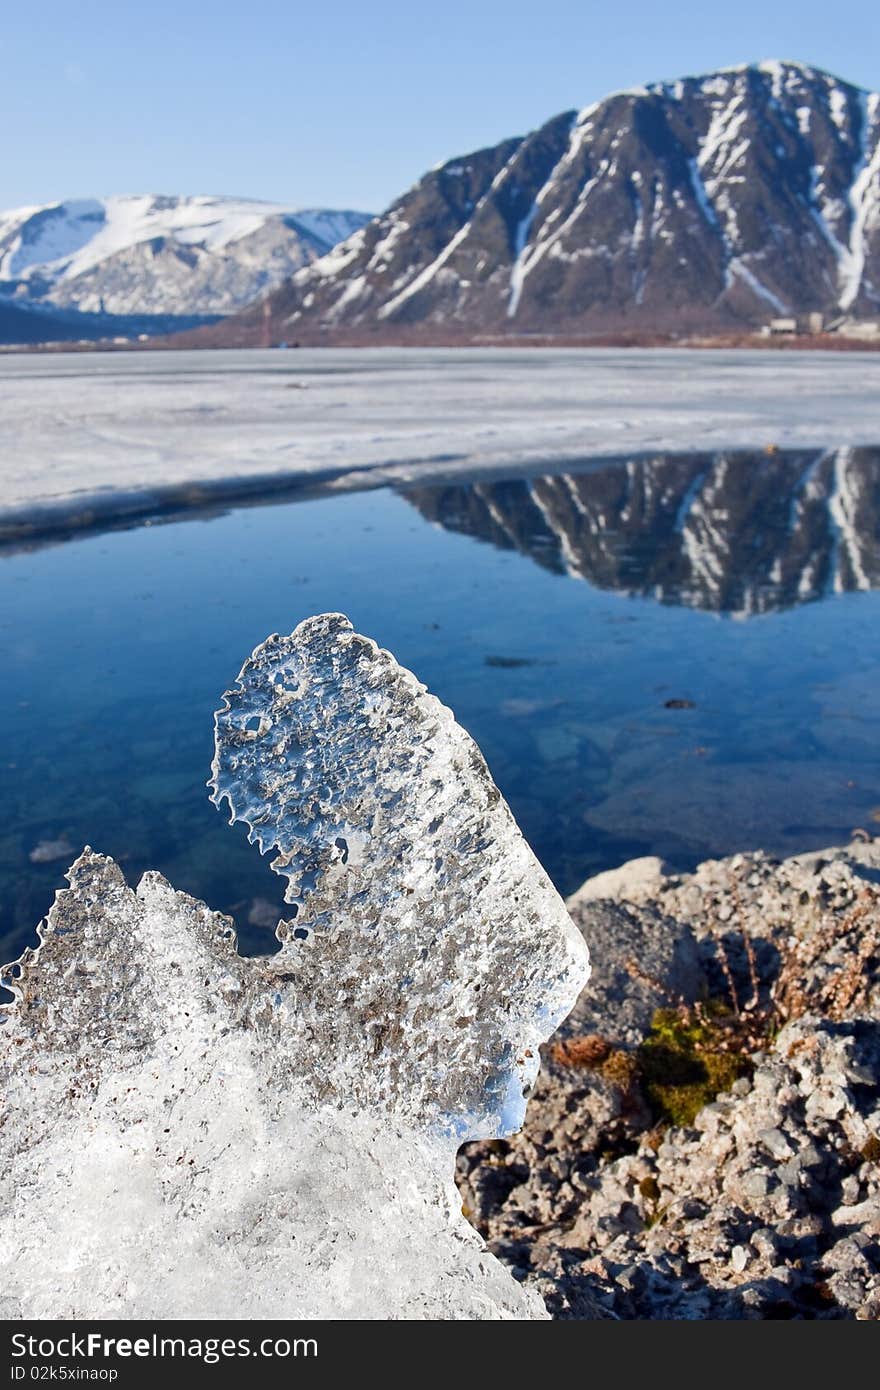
[844, 326]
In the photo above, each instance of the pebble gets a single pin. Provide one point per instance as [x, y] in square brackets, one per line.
[756, 1184]
[50, 851]
[775, 1143]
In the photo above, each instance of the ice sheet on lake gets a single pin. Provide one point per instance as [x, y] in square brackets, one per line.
[93, 436]
[189, 1133]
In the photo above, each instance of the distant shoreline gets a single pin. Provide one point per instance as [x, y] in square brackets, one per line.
[190, 340]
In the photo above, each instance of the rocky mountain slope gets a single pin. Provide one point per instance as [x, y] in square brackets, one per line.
[162, 256]
[732, 532]
[710, 203]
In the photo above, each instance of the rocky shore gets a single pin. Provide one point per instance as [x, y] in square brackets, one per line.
[704, 1137]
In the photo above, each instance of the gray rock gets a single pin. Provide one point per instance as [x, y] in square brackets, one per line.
[637, 881]
[776, 1144]
[642, 961]
[755, 1184]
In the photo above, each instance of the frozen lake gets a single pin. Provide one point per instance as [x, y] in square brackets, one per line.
[675, 655]
[101, 434]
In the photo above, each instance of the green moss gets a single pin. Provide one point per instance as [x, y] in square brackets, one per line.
[682, 1064]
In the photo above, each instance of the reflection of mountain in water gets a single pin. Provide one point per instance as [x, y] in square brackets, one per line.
[742, 533]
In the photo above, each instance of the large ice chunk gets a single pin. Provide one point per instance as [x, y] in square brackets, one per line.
[220, 1137]
[428, 955]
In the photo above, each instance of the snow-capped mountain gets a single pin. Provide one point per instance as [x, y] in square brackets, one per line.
[164, 256]
[729, 532]
[708, 203]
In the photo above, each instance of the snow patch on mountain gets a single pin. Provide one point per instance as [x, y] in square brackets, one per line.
[150, 253]
[864, 199]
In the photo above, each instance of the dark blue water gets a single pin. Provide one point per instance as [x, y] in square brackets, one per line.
[676, 657]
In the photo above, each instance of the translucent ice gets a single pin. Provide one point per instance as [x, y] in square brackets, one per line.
[190, 1133]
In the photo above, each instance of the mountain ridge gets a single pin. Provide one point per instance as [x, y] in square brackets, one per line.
[152, 254]
[700, 204]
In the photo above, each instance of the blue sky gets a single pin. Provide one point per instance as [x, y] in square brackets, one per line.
[345, 103]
